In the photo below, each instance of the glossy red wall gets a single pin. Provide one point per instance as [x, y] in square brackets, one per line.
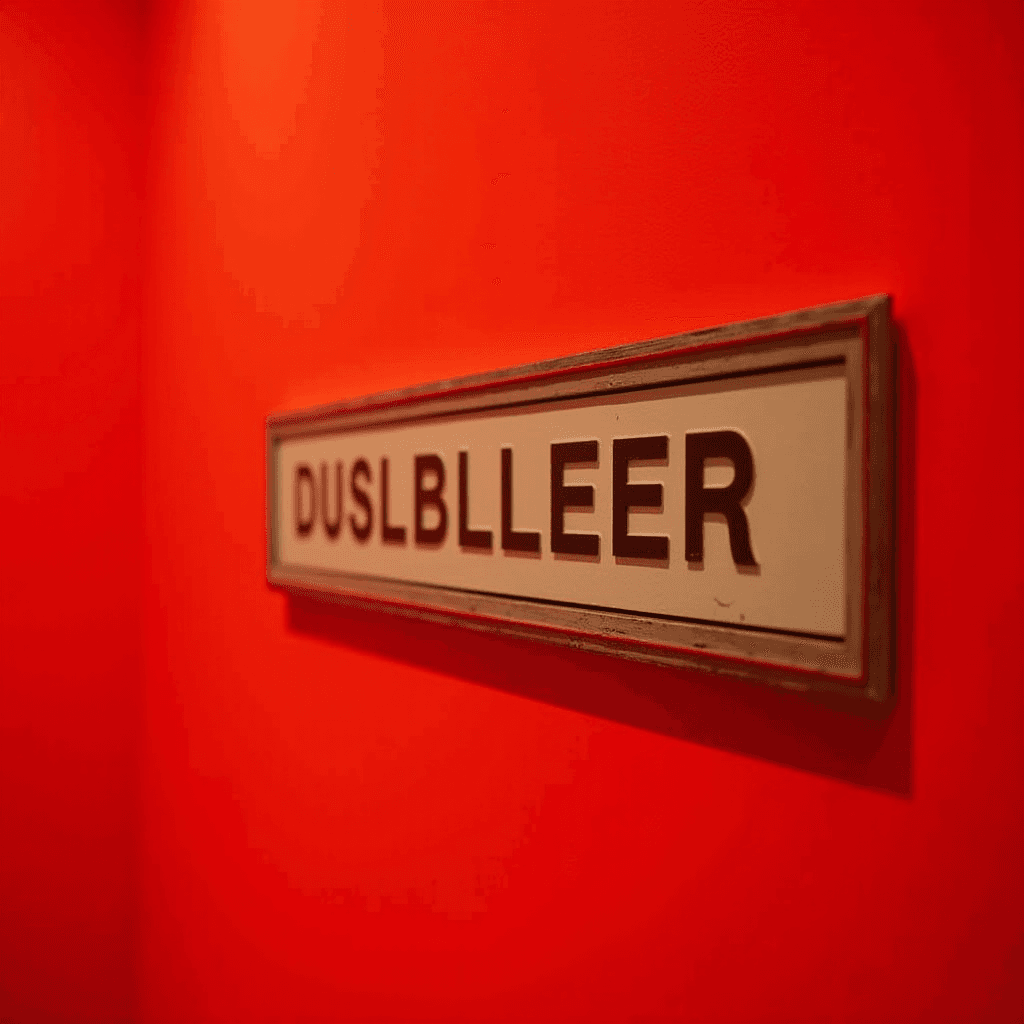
[71, 117]
[350, 817]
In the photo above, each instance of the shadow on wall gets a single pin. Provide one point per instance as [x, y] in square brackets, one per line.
[794, 729]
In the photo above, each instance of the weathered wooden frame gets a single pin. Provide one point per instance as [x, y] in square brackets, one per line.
[856, 333]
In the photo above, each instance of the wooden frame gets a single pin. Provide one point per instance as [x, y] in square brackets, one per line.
[855, 335]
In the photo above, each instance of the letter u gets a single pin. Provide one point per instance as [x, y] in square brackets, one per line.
[331, 528]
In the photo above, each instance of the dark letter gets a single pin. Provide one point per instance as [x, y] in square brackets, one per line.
[330, 528]
[718, 444]
[512, 540]
[435, 535]
[570, 453]
[361, 498]
[469, 538]
[304, 525]
[388, 533]
[626, 496]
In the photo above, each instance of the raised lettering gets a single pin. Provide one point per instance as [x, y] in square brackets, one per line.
[332, 529]
[480, 539]
[701, 500]
[430, 498]
[578, 495]
[361, 531]
[513, 540]
[304, 474]
[388, 534]
[626, 496]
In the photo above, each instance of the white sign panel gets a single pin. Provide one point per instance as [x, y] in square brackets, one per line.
[705, 500]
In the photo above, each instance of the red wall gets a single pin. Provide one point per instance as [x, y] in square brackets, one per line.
[350, 817]
[70, 495]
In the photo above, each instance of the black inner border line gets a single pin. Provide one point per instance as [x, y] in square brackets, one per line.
[809, 364]
[317, 431]
[662, 616]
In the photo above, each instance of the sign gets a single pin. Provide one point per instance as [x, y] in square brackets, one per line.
[719, 500]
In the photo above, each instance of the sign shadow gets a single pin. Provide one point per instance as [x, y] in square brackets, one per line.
[869, 746]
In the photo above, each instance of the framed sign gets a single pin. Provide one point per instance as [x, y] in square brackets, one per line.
[720, 500]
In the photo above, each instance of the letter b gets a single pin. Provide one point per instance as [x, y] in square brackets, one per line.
[430, 498]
